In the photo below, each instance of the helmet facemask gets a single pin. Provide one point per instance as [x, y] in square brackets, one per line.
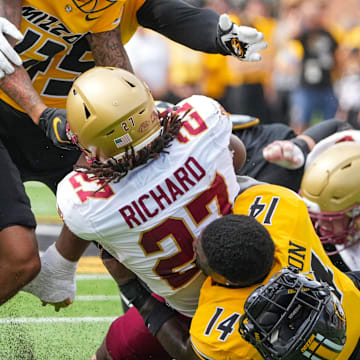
[346, 232]
[285, 318]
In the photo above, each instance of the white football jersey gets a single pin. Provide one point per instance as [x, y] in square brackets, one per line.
[149, 219]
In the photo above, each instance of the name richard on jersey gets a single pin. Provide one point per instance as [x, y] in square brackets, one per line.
[164, 194]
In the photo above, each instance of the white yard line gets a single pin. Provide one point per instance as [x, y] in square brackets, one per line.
[97, 297]
[48, 229]
[93, 277]
[57, 320]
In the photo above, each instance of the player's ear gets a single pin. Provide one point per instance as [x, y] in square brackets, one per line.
[238, 149]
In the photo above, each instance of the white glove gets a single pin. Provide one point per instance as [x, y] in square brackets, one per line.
[56, 283]
[8, 56]
[284, 153]
[243, 42]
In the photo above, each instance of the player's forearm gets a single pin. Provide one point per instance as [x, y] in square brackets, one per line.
[179, 21]
[108, 49]
[174, 338]
[11, 10]
[19, 87]
[118, 271]
[162, 321]
[324, 129]
[70, 246]
[173, 335]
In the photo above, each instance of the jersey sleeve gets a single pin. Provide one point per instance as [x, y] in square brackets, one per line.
[70, 209]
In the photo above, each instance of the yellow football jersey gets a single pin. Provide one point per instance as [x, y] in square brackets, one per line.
[54, 49]
[214, 328]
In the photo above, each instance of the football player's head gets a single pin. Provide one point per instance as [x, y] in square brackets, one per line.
[110, 110]
[235, 250]
[331, 190]
[293, 317]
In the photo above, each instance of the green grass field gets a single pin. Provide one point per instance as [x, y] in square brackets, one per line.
[43, 202]
[29, 331]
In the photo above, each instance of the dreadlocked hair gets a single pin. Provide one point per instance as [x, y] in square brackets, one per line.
[113, 170]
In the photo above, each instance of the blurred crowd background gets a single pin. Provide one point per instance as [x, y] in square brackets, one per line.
[310, 71]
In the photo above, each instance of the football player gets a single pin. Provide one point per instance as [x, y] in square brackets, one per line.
[58, 41]
[330, 188]
[269, 230]
[341, 241]
[150, 187]
[255, 136]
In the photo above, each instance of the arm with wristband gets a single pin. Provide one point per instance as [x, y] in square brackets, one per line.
[291, 154]
[215, 34]
[170, 329]
[163, 322]
[135, 292]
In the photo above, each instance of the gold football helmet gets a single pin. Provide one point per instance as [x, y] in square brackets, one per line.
[109, 109]
[331, 189]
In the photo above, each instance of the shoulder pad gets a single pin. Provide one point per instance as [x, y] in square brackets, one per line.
[243, 121]
[247, 182]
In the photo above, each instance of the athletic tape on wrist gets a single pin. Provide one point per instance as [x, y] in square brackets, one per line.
[302, 144]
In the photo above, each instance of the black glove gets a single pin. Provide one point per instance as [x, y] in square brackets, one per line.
[53, 122]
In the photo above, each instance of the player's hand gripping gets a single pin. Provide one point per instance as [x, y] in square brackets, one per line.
[284, 153]
[243, 42]
[53, 122]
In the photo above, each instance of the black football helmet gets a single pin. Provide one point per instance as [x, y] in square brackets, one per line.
[294, 317]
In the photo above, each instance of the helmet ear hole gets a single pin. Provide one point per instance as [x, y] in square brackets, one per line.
[87, 112]
[130, 83]
[346, 166]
